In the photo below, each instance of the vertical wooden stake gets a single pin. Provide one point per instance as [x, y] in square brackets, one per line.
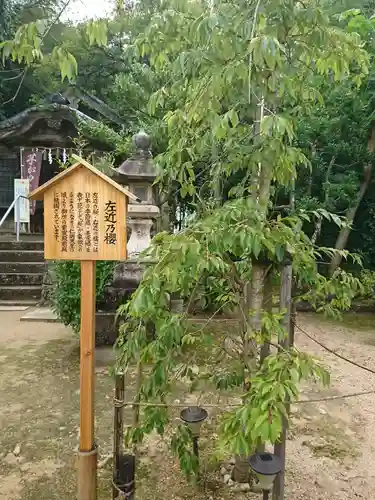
[265, 348]
[87, 464]
[118, 424]
[285, 304]
[267, 306]
[137, 399]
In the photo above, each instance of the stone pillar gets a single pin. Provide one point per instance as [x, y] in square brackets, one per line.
[140, 223]
[138, 174]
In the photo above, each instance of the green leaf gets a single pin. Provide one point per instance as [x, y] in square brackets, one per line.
[262, 418]
[66, 62]
[282, 410]
[6, 49]
[97, 32]
[232, 114]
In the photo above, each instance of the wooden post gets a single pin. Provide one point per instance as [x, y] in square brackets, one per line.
[285, 304]
[265, 348]
[267, 306]
[118, 429]
[87, 450]
[85, 220]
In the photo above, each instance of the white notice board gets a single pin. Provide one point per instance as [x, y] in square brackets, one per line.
[22, 187]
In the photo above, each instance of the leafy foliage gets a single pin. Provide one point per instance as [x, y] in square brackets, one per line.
[260, 418]
[216, 108]
[13, 14]
[234, 100]
[334, 135]
[66, 292]
[223, 244]
[367, 278]
[26, 47]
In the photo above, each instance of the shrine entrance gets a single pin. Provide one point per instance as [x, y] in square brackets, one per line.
[52, 130]
[49, 129]
[49, 169]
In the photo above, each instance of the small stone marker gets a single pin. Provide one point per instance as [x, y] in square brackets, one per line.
[85, 219]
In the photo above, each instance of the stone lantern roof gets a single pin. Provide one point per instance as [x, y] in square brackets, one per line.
[140, 166]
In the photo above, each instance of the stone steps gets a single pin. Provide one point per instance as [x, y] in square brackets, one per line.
[18, 293]
[22, 267]
[19, 246]
[21, 256]
[19, 279]
[18, 303]
[22, 270]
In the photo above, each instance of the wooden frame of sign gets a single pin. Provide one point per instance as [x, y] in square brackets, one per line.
[85, 219]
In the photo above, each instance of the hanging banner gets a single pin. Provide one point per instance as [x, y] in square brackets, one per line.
[30, 169]
[22, 187]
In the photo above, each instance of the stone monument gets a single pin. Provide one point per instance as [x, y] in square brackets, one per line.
[138, 174]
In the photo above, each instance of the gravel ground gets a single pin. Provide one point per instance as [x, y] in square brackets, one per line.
[330, 449]
[333, 446]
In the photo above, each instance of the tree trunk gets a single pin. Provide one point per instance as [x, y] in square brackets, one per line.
[319, 222]
[310, 179]
[241, 470]
[253, 291]
[350, 215]
[252, 301]
[343, 236]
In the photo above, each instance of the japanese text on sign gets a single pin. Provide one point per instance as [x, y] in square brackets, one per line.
[72, 232]
[64, 222]
[95, 222]
[110, 219]
[76, 223]
[80, 221]
[56, 217]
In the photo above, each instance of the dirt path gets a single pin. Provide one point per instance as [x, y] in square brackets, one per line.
[329, 454]
[39, 394]
[334, 446]
[15, 333]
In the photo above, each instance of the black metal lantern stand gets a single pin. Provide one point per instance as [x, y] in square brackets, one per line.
[194, 416]
[266, 467]
[123, 474]
[124, 481]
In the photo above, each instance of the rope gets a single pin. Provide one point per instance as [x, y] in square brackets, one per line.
[354, 363]
[123, 494]
[122, 404]
[332, 398]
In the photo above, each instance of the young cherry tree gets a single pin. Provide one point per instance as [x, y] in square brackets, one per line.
[241, 73]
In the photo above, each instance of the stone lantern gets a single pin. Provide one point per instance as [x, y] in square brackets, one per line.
[138, 174]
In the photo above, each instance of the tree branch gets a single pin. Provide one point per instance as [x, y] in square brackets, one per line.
[45, 34]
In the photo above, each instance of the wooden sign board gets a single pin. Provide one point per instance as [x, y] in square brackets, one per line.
[85, 219]
[84, 215]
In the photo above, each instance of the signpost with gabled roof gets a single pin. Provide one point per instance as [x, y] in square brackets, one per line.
[85, 219]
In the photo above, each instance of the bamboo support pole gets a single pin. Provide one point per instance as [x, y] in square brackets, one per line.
[286, 305]
[136, 407]
[267, 306]
[118, 430]
[265, 347]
